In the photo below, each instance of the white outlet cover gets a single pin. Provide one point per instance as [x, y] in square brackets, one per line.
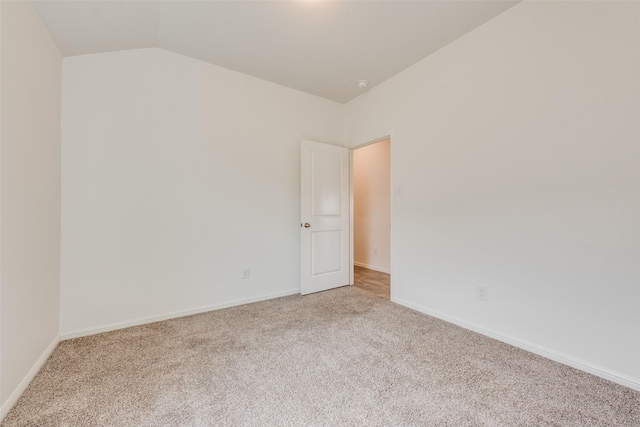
[483, 293]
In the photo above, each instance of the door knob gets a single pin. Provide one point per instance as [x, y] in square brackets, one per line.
[307, 225]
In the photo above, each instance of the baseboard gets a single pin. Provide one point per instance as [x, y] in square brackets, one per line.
[625, 380]
[6, 407]
[152, 319]
[371, 267]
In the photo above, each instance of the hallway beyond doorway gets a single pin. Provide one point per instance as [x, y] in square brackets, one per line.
[372, 281]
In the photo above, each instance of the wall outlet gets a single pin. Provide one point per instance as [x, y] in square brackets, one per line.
[246, 272]
[483, 293]
[375, 251]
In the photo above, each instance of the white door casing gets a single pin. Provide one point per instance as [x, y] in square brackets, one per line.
[325, 221]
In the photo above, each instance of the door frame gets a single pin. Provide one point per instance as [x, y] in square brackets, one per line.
[342, 276]
[372, 139]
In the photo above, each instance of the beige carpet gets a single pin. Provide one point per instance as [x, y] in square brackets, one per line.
[342, 357]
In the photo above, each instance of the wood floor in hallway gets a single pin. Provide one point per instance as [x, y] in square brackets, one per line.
[373, 281]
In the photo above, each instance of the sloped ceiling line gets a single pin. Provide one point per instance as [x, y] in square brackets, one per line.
[319, 47]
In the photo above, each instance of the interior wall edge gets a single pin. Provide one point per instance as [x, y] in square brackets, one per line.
[372, 267]
[173, 315]
[15, 395]
[590, 368]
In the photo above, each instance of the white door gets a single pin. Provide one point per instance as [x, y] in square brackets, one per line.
[325, 216]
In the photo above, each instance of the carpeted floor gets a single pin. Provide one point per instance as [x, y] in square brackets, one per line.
[341, 357]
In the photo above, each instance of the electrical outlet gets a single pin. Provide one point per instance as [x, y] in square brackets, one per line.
[375, 251]
[483, 293]
[246, 273]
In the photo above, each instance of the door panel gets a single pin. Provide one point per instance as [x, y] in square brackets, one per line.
[326, 248]
[325, 216]
[325, 183]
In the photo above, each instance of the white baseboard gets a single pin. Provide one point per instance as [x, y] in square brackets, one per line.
[625, 380]
[152, 319]
[371, 267]
[6, 407]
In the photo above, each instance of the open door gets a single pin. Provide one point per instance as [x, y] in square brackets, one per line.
[325, 217]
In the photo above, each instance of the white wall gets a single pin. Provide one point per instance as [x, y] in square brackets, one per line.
[517, 151]
[29, 196]
[176, 174]
[371, 206]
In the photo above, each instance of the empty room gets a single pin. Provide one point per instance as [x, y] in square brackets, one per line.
[324, 213]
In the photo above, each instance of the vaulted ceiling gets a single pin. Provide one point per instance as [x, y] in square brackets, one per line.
[319, 47]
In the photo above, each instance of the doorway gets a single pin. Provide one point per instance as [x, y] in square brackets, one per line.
[371, 217]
